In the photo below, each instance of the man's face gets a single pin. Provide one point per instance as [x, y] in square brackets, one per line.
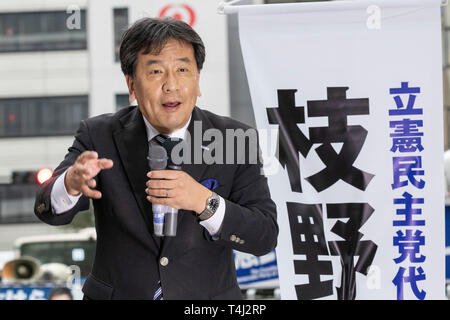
[61, 297]
[166, 85]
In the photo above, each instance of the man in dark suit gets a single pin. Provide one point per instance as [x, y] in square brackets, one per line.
[161, 60]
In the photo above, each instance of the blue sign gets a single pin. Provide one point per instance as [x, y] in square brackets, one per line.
[252, 270]
[25, 292]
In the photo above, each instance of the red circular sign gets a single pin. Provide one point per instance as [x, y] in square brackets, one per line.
[181, 12]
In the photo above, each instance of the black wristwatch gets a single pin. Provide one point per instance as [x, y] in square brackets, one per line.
[211, 207]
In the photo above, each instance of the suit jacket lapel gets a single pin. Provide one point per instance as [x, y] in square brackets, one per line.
[132, 144]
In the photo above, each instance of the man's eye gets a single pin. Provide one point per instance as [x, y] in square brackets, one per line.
[182, 69]
[155, 71]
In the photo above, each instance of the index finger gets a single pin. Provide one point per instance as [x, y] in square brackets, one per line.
[105, 163]
[164, 174]
[87, 155]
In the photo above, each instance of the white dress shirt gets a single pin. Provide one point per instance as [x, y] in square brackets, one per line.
[62, 201]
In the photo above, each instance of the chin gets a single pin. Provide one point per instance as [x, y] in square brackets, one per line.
[169, 127]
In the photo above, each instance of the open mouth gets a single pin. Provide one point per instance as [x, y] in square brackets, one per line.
[171, 105]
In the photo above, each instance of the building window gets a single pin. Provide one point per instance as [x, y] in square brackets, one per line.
[43, 116]
[122, 101]
[120, 18]
[40, 31]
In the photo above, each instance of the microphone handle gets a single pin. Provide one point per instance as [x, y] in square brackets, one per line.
[173, 167]
[159, 212]
[171, 218]
[170, 222]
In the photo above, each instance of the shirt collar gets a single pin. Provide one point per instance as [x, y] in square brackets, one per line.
[152, 132]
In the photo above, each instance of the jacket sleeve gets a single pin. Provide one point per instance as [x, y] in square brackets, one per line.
[42, 206]
[250, 223]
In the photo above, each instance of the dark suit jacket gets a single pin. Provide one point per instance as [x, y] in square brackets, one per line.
[128, 256]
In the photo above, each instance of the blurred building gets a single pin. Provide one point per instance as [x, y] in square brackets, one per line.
[45, 85]
[44, 92]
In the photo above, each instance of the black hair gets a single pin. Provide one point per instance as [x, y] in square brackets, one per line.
[149, 35]
[60, 291]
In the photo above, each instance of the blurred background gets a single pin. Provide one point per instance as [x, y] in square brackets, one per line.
[58, 65]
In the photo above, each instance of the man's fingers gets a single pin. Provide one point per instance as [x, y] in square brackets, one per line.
[92, 183]
[162, 184]
[86, 168]
[105, 163]
[90, 169]
[90, 193]
[164, 174]
[88, 173]
[162, 193]
[87, 155]
[80, 173]
[164, 201]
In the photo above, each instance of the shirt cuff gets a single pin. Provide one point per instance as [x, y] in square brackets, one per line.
[214, 223]
[61, 200]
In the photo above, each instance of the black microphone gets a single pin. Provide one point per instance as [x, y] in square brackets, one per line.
[164, 217]
[171, 218]
[157, 160]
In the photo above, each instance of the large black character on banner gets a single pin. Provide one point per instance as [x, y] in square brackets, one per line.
[291, 139]
[338, 165]
[351, 246]
[308, 238]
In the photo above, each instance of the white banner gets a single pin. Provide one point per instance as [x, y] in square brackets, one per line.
[354, 90]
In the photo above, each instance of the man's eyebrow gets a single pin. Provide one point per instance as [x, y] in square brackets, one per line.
[150, 62]
[184, 59]
[153, 61]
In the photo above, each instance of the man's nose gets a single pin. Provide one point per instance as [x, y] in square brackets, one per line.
[171, 83]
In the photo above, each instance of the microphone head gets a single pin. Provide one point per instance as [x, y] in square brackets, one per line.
[157, 157]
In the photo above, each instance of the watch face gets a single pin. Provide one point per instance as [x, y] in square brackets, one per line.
[213, 204]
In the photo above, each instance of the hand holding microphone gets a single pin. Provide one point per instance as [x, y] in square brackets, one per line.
[173, 188]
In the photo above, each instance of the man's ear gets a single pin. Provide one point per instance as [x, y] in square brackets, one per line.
[130, 84]
[199, 93]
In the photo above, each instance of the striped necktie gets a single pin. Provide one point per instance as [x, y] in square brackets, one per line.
[168, 143]
[158, 293]
[161, 139]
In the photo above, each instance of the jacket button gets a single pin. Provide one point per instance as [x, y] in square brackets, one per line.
[164, 261]
[41, 208]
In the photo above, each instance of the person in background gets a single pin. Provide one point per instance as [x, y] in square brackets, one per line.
[60, 293]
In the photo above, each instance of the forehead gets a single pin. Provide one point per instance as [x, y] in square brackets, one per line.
[171, 49]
